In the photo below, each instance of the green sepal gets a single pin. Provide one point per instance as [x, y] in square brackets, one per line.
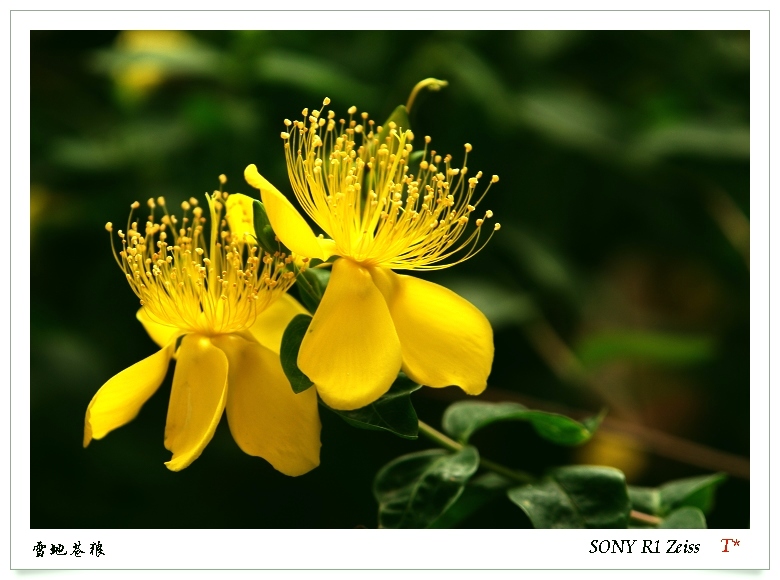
[416, 157]
[400, 117]
[311, 286]
[288, 353]
[416, 489]
[698, 492]
[266, 238]
[392, 412]
[578, 496]
[464, 418]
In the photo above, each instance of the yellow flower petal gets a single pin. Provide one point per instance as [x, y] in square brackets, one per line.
[239, 212]
[162, 334]
[267, 419]
[118, 401]
[445, 340]
[287, 223]
[271, 322]
[197, 400]
[351, 351]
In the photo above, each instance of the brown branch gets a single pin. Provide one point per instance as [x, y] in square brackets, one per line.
[644, 518]
[564, 363]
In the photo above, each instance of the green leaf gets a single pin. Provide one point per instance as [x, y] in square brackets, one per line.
[311, 286]
[477, 493]
[654, 347]
[288, 353]
[415, 489]
[464, 418]
[576, 497]
[645, 499]
[698, 492]
[392, 412]
[266, 237]
[685, 518]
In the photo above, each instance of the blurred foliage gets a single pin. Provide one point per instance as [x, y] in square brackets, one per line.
[624, 164]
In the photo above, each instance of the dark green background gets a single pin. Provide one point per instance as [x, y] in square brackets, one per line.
[624, 165]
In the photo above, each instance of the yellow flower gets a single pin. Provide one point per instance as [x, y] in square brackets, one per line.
[372, 322]
[209, 301]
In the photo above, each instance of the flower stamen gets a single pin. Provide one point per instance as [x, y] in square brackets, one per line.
[361, 192]
[215, 284]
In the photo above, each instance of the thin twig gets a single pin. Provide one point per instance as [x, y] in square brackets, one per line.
[645, 518]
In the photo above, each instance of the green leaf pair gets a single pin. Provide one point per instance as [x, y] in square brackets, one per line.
[578, 496]
[411, 490]
[433, 488]
[682, 503]
[597, 497]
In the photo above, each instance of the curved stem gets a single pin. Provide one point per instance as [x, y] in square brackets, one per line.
[432, 85]
[443, 441]
[518, 476]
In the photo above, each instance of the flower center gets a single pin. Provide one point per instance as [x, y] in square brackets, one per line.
[211, 286]
[363, 195]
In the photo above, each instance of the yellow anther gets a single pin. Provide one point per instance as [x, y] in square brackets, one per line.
[467, 147]
[135, 205]
[496, 227]
[285, 135]
[326, 101]
[489, 214]
[352, 110]
[185, 205]
[150, 203]
[494, 179]
[109, 226]
[161, 200]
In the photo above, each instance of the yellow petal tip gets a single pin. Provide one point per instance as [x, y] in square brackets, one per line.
[254, 178]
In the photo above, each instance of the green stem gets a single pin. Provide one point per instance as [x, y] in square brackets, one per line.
[443, 441]
[518, 476]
